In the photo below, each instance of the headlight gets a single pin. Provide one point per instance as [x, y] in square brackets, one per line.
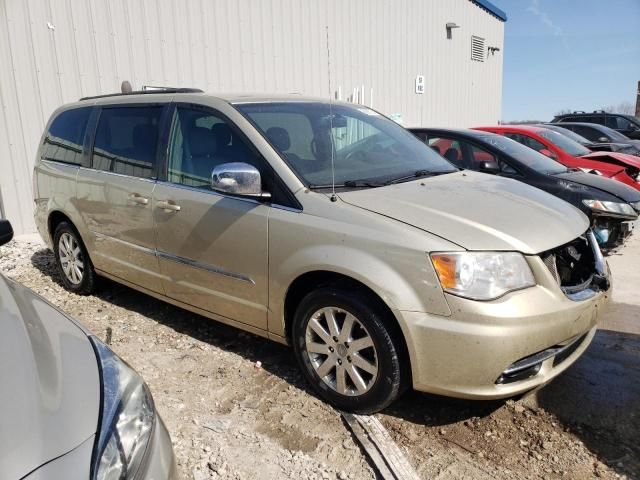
[127, 419]
[610, 207]
[482, 275]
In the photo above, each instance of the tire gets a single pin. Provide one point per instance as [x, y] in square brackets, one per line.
[365, 391]
[74, 265]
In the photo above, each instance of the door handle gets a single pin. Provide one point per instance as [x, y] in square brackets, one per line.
[139, 199]
[168, 206]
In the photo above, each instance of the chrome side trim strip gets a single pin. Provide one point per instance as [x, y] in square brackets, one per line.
[540, 357]
[102, 236]
[205, 267]
[178, 259]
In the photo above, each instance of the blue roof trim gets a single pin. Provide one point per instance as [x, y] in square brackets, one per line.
[491, 8]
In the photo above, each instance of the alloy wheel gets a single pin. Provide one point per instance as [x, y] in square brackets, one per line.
[341, 351]
[71, 258]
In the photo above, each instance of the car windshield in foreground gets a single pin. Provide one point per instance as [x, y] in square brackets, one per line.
[525, 155]
[572, 147]
[366, 148]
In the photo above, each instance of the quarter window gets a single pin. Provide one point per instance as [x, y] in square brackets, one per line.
[63, 142]
[127, 141]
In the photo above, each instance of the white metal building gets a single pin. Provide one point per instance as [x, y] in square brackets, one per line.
[423, 62]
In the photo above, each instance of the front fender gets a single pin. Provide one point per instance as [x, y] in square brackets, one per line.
[402, 285]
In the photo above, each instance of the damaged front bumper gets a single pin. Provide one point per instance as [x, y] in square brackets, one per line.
[510, 345]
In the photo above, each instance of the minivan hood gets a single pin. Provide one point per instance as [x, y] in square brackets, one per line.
[477, 211]
[604, 184]
[50, 398]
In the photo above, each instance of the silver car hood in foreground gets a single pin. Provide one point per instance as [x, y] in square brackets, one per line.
[477, 211]
[49, 382]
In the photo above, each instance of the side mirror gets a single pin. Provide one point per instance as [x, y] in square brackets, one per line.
[603, 139]
[548, 153]
[6, 232]
[238, 178]
[489, 167]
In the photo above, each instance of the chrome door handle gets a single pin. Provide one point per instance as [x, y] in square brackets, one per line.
[139, 199]
[168, 206]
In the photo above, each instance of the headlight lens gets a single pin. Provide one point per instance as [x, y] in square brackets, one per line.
[127, 418]
[610, 207]
[482, 275]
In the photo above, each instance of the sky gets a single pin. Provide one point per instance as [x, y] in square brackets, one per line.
[568, 54]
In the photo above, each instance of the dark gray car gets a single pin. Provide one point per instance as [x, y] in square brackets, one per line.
[70, 408]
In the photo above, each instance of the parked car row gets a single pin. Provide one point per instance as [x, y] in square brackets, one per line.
[552, 162]
[328, 227]
[627, 125]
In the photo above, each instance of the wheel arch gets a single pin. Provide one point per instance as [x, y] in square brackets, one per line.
[311, 280]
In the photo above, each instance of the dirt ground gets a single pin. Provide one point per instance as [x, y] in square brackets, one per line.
[232, 417]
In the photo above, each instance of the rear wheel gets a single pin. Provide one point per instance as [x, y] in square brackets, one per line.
[346, 351]
[73, 262]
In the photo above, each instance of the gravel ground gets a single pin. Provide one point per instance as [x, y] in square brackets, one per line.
[237, 407]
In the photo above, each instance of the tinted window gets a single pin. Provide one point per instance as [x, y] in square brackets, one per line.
[622, 124]
[201, 140]
[527, 141]
[478, 155]
[449, 149]
[590, 133]
[565, 143]
[524, 155]
[63, 142]
[127, 140]
[362, 144]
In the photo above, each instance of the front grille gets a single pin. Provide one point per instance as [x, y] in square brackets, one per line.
[577, 266]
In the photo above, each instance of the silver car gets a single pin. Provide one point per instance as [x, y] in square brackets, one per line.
[328, 227]
[70, 408]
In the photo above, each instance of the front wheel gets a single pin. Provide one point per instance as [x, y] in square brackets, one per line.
[346, 350]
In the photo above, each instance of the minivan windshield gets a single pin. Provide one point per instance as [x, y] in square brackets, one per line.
[367, 149]
[525, 155]
[572, 147]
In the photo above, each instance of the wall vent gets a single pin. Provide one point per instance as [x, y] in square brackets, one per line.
[477, 48]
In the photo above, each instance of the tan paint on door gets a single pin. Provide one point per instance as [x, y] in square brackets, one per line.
[212, 251]
[116, 210]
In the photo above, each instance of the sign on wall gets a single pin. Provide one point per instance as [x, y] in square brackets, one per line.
[420, 84]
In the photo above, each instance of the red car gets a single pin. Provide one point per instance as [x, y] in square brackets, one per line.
[619, 166]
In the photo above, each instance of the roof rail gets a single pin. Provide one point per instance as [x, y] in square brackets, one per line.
[147, 92]
[579, 111]
[599, 111]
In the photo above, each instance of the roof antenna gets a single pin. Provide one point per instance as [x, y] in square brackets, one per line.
[333, 170]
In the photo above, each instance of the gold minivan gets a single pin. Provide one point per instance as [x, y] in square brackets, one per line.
[328, 227]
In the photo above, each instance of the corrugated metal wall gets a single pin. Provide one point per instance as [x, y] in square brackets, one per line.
[55, 51]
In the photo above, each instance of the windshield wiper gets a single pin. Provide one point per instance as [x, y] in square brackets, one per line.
[417, 174]
[349, 184]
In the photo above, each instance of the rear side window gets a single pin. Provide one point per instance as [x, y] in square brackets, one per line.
[526, 140]
[127, 140]
[63, 142]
